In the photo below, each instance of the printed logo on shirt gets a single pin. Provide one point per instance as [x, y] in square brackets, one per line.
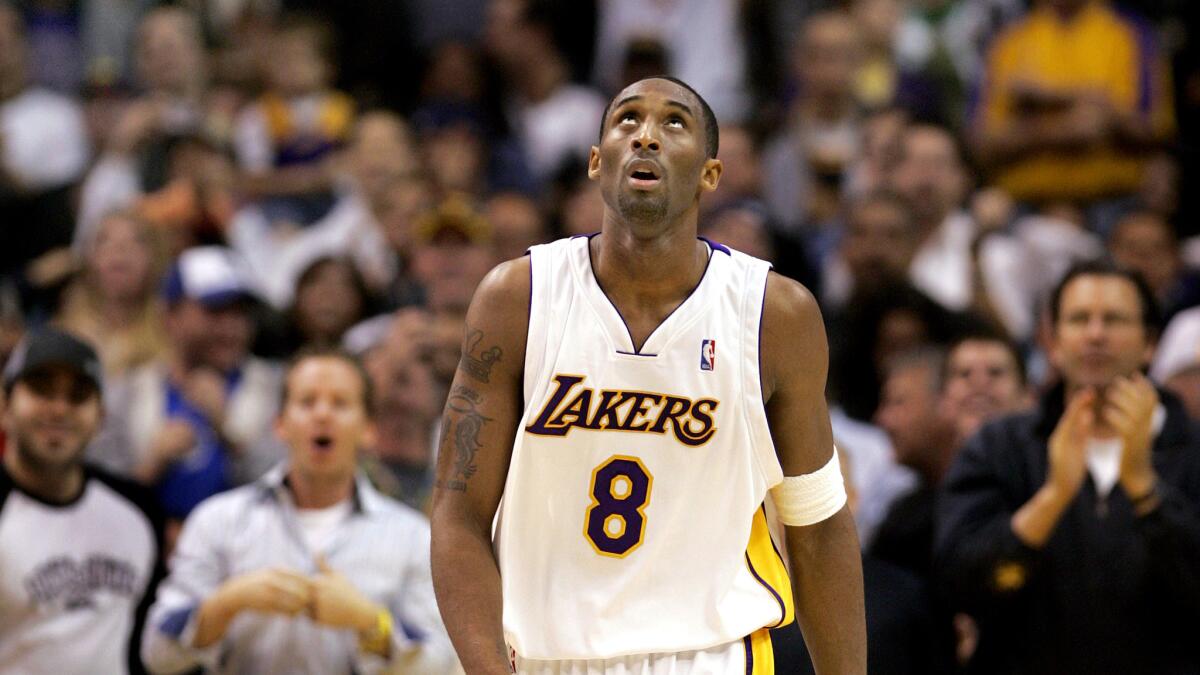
[73, 584]
[572, 405]
[708, 354]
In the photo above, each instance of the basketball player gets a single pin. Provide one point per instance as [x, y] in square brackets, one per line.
[633, 395]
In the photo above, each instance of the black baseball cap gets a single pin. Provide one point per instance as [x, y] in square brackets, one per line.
[49, 347]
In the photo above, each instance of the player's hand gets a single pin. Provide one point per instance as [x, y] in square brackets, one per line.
[337, 603]
[1068, 445]
[1129, 404]
[273, 591]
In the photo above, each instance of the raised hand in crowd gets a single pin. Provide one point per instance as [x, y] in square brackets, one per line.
[1035, 521]
[1129, 405]
[205, 388]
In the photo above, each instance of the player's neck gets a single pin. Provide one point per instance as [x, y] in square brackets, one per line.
[57, 486]
[666, 267]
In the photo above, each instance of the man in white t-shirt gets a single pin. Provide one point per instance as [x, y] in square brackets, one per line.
[80, 550]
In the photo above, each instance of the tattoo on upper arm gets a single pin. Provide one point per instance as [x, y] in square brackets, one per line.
[478, 363]
[461, 426]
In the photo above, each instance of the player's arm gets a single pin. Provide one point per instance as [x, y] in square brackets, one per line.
[826, 563]
[479, 424]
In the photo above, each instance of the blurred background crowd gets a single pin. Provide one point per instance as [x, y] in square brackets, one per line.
[203, 188]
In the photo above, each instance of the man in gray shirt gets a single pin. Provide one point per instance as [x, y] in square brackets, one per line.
[309, 569]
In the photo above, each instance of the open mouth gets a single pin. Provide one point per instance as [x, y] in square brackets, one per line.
[322, 442]
[643, 174]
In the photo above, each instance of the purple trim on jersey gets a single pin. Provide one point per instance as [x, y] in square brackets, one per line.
[749, 655]
[638, 352]
[778, 598]
[528, 318]
[773, 546]
[715, 246]
[762, 309]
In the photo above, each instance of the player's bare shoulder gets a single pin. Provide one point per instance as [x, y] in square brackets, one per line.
[499, 317]
[793, 333]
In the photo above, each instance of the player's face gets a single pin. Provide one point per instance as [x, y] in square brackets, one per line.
[1099, 334]
[651, 161]
[324, 420]
[52, 414]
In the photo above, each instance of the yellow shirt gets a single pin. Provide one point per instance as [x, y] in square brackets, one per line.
[1097, 50]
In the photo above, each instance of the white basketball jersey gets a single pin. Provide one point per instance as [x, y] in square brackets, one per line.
[632, 520]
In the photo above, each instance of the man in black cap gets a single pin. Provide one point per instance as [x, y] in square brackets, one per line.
[80, 551]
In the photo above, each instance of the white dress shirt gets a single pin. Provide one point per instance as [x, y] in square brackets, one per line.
[382, 548]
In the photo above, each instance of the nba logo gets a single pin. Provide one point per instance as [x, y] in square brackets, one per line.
[708, 354]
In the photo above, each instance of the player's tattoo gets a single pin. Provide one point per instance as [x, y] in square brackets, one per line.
[460, 433]
[475, 361]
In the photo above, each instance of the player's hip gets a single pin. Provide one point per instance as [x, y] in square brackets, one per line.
[751, 655]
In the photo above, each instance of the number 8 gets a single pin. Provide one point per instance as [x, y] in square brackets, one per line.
[616, 522]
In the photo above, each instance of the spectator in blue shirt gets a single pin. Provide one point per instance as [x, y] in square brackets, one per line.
[197, 421]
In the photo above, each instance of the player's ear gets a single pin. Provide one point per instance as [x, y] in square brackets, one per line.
[594, 163]
[710, 176]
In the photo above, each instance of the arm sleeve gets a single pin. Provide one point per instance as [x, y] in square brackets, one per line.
[196, 570]
[420, 643]
[981, 561]
[1171, 533]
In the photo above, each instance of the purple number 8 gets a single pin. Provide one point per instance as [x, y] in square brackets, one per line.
[620, 491]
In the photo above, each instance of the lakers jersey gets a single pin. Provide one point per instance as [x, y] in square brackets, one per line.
[632, 520]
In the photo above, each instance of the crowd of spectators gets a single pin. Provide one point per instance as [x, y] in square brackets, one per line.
[202, 190]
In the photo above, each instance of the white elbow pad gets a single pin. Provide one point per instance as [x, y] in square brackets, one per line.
[811, 498]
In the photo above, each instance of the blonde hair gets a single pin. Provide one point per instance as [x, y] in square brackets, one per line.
[121, 348]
